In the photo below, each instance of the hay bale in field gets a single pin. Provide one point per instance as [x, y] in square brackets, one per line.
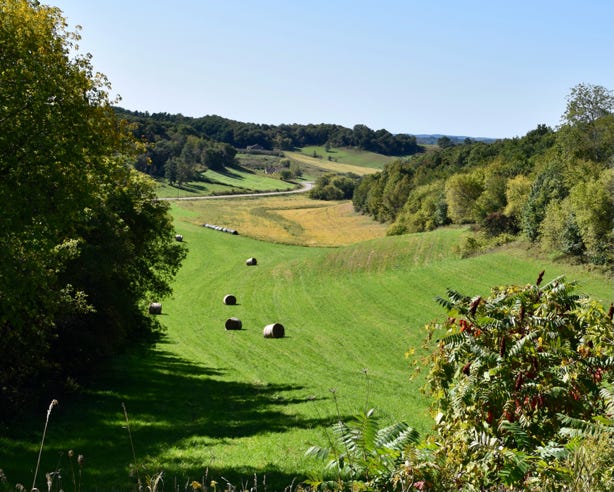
[220, 228]
[274, 330]
[233, 324]
[251, 262]
[230, 300]
[178, 237]
[155, 308]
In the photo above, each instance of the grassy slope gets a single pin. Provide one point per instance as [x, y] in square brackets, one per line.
[232, 181]
[328, 166]
[237, 403]
[240, 181]
[349, 155]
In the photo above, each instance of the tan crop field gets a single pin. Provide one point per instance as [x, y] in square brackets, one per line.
[332, 166]
[289, 219]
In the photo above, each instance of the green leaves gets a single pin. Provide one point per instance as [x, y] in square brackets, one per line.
[512, 370]
[84, 242]
[364, 452]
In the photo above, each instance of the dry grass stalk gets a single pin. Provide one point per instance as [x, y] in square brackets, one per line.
[136, 468]
[53, 403]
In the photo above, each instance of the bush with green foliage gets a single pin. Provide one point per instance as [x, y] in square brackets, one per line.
[509, 373]
[522, 399]
[424, 210]
[334, 187]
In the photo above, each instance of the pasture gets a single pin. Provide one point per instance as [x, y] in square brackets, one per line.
[209, 402]
[232, 181]
[288, 219]
[348, 155]
[323, 164]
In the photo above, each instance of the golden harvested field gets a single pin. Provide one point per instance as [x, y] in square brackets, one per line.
[332, 166]
[289, 219]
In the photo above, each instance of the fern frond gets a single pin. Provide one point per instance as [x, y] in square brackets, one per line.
[607, 393]
[389, 434]
[602, 362]
[406, 438]
[453, 340]
[577, 427]
[363, 433]
[515, 468]
[483, 440]
[581, 428]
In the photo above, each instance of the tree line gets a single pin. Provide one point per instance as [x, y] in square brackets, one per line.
[85, 244]
[552, 186]
[179, 147]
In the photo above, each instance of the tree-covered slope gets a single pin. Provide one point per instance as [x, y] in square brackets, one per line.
[553, 187]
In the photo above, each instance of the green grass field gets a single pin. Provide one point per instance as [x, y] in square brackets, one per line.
[234, 404]
[231, 182]
[347, 155]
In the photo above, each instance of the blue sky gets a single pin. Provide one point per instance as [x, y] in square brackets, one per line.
[458, 67]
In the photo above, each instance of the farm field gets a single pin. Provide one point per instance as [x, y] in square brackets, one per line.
[347, 155]
[289, 219]
[231, 182]
[206, 401]
[241, 180]
[322, 164]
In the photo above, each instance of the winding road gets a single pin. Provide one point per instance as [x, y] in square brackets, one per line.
[306, 187]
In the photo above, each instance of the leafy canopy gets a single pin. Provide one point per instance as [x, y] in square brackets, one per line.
[83, 240]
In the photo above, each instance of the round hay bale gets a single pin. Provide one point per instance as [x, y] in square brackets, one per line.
[251, 262]
[274, 330]
[155, 308]
[230, 300]
[178, 237]
[233, 324]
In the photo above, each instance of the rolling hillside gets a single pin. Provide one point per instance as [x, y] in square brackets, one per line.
[232, 403]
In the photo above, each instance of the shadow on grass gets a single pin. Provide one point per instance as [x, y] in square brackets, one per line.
[170, 402]
[231, 172]
[192, 187]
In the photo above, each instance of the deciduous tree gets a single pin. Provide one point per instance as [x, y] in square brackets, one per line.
[462, 193]
[83, 241]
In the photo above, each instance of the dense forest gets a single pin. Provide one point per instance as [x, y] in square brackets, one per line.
[552, 186]
[181, 146]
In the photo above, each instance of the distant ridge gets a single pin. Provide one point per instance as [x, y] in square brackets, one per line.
[431, 139]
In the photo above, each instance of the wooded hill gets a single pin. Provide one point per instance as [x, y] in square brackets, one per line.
[553, 187]
[179, 143]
